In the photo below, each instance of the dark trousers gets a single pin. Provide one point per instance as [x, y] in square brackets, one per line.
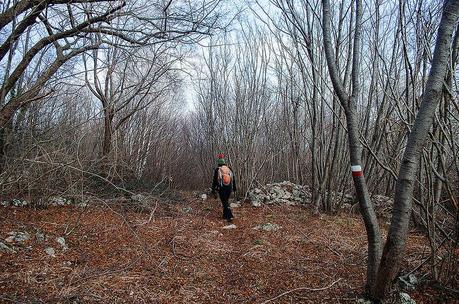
[224, 194]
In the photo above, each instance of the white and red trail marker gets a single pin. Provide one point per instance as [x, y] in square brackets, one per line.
[356, 170]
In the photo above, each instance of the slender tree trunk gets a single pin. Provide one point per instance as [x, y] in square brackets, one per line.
[108, 132]
[355, 149]
[395, 243]
[365, 205]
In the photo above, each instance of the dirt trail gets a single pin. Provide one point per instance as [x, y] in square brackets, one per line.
[183, 255]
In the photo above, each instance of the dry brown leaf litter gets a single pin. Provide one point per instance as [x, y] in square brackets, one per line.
[186, 257]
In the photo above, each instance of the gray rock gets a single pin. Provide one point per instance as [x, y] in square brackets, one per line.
[187, 209]
[5, 203]
[58, 201]
[267, 227]
[204, 197]
[50, 251]
[19, 203]
[4, 247]
[232, 226]
[279, 193]
[406, 299]
[408, 282]
[40, 237]
[256, 203]
[61, 241]
[17, 237]
[235, 205]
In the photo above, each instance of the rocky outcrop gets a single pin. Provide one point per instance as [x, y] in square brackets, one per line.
[288, 193]
[279, 193]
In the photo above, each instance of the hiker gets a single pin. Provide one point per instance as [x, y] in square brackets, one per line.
[224, 182]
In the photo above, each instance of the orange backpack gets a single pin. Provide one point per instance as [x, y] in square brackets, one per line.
[225, 176]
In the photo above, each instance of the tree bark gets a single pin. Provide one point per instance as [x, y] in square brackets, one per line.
[395, 243]
[355, 148]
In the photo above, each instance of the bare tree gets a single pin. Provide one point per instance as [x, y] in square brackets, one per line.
[349, 103]
[395, 243]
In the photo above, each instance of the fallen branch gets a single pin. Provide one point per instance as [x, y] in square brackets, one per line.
[302, 288]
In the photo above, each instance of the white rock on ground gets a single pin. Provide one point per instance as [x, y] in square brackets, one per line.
[406, 299]
[235, 205]
[232, 226]
[204, 196]
[19, 203]
[408, 282]
[4, 247]
[50, 251]
[267, 227]
[40, 237]
[58, 201]
[17, 237]
[61, 241]
[187, 209]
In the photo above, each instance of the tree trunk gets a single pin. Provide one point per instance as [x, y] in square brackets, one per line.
[395, 243]
[108, 132]
[365, 205]
[355, 148]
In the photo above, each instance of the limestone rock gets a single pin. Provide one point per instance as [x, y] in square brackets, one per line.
[235, 205]
[408, 282]
[50, 251]
[40, 237]
[61, 242]
[187, 209]
[6, 248]
[406, 299]
[17, 237]
[267, 227]
[19, 203]
[58, 201]
[232, 226]
[283, 193]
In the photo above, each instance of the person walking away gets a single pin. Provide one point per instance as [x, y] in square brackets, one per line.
[224, 182]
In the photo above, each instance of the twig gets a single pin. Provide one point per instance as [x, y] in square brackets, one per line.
[302, 288]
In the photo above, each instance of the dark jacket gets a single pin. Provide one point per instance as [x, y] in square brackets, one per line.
[215, 183]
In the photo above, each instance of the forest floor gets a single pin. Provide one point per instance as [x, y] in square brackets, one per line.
[180, 253]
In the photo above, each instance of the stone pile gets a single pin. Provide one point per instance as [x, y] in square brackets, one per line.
[22, 240]
[289, 193]
[50, 201]
[279, 193]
